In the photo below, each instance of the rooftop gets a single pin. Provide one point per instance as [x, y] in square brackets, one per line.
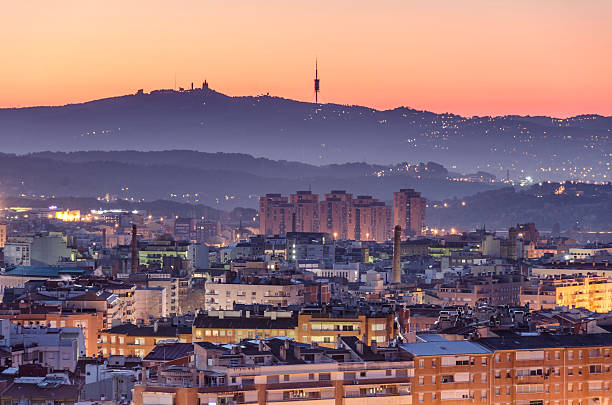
[517, 342]
[441, 348]
[44, 271]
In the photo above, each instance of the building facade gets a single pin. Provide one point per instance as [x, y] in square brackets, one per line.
[409, 210]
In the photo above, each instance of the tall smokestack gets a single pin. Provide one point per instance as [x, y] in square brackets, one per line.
[134, 249]
[397, 268]
[103, 238]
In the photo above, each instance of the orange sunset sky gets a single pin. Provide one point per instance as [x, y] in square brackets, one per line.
[471, 57]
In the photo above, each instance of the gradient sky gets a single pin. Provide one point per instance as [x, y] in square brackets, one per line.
[472, 57]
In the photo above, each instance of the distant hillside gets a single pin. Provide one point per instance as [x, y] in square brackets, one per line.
[577, 206]
[233, 162]
[224, 181]
[281, 129]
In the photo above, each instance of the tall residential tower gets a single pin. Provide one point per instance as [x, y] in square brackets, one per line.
[409, 211]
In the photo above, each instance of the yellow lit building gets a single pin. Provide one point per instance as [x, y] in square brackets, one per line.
[68, 215]
[2, 235]
[592, 293]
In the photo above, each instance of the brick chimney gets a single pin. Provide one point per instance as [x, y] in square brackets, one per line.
[134, 249]
[397, 265]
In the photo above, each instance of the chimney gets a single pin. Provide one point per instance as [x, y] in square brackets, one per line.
[103, 238]
[374, 346]
[134, 249]
[297, 352]
[397, 267]
[359, 347]
[155, 326]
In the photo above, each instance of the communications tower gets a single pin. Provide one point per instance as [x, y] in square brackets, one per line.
[316, 82]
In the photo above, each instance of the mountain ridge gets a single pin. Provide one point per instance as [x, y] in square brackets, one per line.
[318, 134]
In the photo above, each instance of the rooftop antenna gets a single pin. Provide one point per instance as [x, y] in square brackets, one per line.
[316, 82]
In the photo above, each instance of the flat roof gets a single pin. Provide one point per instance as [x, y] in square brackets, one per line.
[517, 342]
[447, 348]
[44, 271]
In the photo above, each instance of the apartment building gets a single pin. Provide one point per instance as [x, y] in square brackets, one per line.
[281, 371]
[325, 327]
[494, 290]
[41, 249]
[138, 340]
[54, 348]
[222, 296]
[172, 287]
[572, 269]
[340, 215]
[538, 370]
[333, 213]
[409, 211]
[306, 211]
[150, 304]
[310, 247]
[590, 292]
[234, 326]
[2, 235]
[512, 369]
[89, 322]
[451, 372]
[369, 220]
[276, 215]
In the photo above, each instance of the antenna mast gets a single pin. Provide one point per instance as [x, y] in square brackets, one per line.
[316, 82]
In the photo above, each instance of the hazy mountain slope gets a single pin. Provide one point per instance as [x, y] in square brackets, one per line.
[282, 129]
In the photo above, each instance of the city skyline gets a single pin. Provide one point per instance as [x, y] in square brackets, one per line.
[548, 58]
[306, 202]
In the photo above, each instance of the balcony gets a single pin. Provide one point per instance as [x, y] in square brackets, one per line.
[379, 391]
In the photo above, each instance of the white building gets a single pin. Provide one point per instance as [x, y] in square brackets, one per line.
[37, 250]
[57, 348]
[197, 253]
[150, 303]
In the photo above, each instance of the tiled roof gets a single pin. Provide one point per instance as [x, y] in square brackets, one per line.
[55, 393]
[170, 351]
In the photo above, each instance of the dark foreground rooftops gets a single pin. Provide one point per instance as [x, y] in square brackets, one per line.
[518, 342]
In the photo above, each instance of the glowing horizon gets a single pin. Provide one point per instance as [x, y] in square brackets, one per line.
[473, 57]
